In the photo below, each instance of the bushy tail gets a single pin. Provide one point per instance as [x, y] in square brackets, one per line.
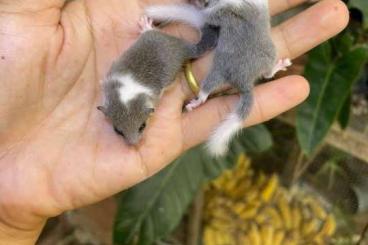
[218, 143]
[185, 13]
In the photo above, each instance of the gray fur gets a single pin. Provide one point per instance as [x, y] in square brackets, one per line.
[154, 60]
[245, 51]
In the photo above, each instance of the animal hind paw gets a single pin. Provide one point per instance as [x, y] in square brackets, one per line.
[281, 65]
[145, 24]
[202, 97]
[193, 104]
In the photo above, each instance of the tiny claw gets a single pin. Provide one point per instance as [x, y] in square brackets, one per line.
[145, 24]
[193, 104]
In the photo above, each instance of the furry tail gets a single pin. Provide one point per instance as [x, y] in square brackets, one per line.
[218, 143]
[185, 13]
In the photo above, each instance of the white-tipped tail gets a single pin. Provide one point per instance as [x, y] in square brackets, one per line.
[219, 141]
[185, 13]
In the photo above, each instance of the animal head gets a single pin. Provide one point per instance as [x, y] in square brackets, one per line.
[128, 118]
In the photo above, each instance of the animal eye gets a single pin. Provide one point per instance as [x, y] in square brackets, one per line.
[141, 128]
[118, 132]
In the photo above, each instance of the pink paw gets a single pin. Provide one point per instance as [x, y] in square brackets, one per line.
[284, 64]
[281, 65]
[145, 24]
[194, 104]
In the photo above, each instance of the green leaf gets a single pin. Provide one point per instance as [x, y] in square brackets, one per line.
[344, 114]
[343, 43]
[256, 139]
[152, 209]
[362, 5]
[331, 80]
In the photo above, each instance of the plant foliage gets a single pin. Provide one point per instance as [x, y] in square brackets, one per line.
[332, 70]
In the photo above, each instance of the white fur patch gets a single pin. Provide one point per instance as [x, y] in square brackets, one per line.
[131, 88]
[220, 139]
[180, 12]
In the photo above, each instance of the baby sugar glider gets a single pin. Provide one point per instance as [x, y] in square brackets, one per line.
[137, 79]
[245, 53]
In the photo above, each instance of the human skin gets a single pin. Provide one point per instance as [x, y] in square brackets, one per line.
[57, 152]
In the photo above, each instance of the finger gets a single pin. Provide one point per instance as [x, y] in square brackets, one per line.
[297, 35]
[276, 6]
[305, 31]
[16, 6]
[270, 100]
[279, 6]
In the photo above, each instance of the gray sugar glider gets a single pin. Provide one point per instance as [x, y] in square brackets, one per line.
[244, 54]
[136, 80]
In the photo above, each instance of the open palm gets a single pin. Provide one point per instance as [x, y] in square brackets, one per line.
[57, 152]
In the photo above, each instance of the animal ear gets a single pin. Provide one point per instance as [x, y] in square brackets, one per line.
[103, 109]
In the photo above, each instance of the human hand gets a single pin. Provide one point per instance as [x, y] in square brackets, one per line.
[57, 152]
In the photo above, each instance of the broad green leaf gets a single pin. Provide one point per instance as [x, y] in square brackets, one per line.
[343, 43]
[331, 80]
[344, 114]
[362, 5]
[152, 209]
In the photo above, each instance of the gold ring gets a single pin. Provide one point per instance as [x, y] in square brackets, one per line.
[192, 81]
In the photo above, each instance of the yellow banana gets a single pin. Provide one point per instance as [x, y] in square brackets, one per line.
[329, 226]
[260, 181]
[230, 186]
[222, 224]
[209, 236]
[269, 189]
[279, 237]
[243, 240]
[254, 235]
[290, 241]
[250, 211]
[318, 240]
[251, 195]
[267, 232]
[310, 227]
[327, 230]
[220, 239]
[239, 207]
[261, 218]
[221, 214]
[274, 216]
[296, 217]
[262, 210]
[284, 208]
[227, 238]
[318, 211]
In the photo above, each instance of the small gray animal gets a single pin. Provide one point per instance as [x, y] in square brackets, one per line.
[245, 53]
[136, 80]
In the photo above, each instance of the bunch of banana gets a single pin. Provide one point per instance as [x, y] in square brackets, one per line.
[247, 208]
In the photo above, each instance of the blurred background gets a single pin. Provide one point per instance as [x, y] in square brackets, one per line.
[299, 179]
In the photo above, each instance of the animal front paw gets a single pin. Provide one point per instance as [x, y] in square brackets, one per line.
[145, 24]
[284, 64]
[194, 104]
[202, 97]
[281, 65]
